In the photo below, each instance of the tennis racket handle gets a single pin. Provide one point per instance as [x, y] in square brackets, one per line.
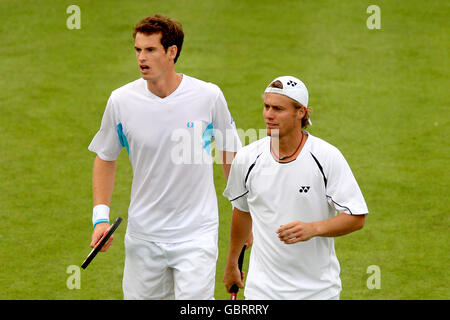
[234, 288]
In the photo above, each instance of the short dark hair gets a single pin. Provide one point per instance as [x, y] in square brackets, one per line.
[170, 29]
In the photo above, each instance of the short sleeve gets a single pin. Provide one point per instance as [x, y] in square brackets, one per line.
[236, 190]
[342, 189]
[225, 133]
[106, 142]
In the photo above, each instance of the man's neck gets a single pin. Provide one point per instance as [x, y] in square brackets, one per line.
[165, 86]
[286, 145]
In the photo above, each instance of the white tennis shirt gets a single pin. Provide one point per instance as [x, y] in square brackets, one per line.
[168, 140]
[313, 187]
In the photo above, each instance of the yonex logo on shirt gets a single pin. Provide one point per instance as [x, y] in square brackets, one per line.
[304, 189]
[190, 124]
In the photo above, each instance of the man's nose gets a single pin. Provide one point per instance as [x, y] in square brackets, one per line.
[268, 113]
[141, 56]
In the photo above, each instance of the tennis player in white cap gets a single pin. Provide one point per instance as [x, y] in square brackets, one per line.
[296, 192]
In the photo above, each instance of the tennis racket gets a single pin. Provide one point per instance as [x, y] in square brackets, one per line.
[234, 288]
[101, 243]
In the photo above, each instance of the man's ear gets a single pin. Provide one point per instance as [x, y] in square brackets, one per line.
[172, 50]
[301, 112]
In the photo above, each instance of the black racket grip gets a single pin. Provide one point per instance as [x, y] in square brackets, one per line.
[101, 243]
[234, 288]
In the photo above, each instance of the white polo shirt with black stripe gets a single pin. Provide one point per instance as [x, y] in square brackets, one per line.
[313, 187]
[168, 141]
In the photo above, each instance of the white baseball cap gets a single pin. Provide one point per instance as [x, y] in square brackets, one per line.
[292, 87]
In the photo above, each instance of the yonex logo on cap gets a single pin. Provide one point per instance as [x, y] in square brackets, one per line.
[291, 83]
[293, 88]
[304, 189]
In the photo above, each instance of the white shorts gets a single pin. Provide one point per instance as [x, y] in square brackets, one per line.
[162, 271]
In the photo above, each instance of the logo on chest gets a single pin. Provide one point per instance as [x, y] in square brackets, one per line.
[304, 189]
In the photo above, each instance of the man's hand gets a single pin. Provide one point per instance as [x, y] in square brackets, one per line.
[99, 230]
[336, 226]
[296, 231]
[232, 276]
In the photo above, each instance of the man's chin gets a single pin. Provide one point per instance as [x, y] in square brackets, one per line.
[273, 132]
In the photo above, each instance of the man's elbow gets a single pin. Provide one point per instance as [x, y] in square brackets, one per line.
[359, 223]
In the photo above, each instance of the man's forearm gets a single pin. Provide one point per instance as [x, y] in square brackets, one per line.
[241, 227]
[103, 181]
[227, 159]
[339, 225]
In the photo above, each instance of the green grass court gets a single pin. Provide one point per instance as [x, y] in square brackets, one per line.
[381, 96]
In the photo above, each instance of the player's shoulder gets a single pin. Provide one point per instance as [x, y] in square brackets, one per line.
[126, 89]
[322, 149]
[248, 154]
[320, 144]
[201, 85]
